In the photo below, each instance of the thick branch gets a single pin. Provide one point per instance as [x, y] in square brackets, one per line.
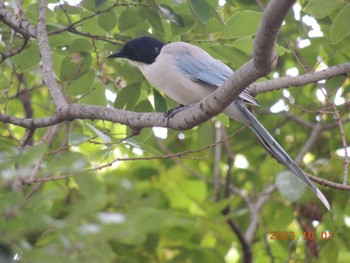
[264, 54]
[19, 25]
[76, 111]
[46, 55]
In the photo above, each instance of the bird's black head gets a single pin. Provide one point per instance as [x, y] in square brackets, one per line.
[142, 49]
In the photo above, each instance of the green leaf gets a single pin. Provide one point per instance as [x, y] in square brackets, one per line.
[280, 50]
[188, 24]
[32, 13]
[69, 9]
[160, 104]
[244, 23]
[130, 18]
[244, 44]
[141, 221]
[185, 194]
[335, 82]
[290, 186]
[201, 9]
[96, 96]
[322, 8]
[27, 59]
[330, 251]
[80, 45]
[154, 19]
[341, 26]
[89, 185]
[89, 197]
[61, 40]
[4, 81]
[233, 55]
[77, 138]
[223, 119]
[104, 137]
[91, 25]
[144, 106]
[107, 20]
[129, 72]
[100, 3]
[75, 65]
[132, 142]
[147, 148]
[32, 155]
[170, 15]
[81, 85]
[128, 96]
[217, 13]
[280, 215]
[148, 219]
[67, 162]
[89, 5]
[206, 133]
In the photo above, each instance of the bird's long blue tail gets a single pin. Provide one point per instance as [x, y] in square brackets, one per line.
[276, 150]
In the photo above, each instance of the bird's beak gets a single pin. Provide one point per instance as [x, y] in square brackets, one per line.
[119, 54]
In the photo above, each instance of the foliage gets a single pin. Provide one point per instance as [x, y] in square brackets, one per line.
[108, 195]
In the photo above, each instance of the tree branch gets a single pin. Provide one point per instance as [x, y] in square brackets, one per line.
[288, 81]
[217, 159]
[46, 55]
[310, 142]
[298, 119]
[327, 183]
[254, 209]
[19, 25]
[4, 56]
[265, 39]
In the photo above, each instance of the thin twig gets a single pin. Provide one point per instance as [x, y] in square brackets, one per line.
[217, 159]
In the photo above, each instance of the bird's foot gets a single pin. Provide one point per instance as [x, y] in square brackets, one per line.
[171, 113]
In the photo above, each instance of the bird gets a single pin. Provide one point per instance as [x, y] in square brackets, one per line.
[187, 74]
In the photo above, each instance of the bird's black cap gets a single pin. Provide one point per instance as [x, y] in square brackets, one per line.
[143, 49]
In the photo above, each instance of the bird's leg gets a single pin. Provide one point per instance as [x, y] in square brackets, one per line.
[171, 113]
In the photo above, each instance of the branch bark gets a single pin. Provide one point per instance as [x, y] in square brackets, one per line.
[288, 81]
[46, 55]
[21, 26]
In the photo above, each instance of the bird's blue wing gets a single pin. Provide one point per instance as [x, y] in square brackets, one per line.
[210, 72]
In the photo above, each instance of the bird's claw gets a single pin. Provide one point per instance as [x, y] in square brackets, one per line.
[171, 113]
